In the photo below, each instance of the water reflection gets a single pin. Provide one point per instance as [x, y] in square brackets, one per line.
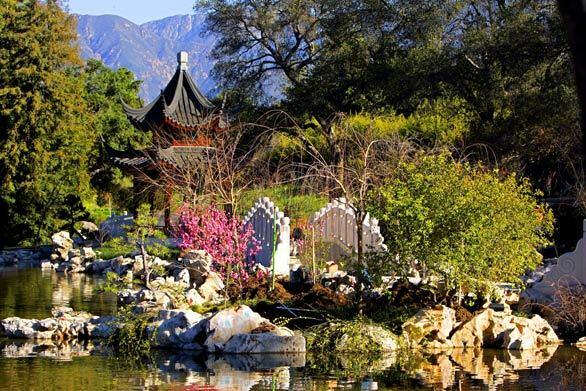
[492, 367]
[25, 365]
[32, 292]
[459, 369]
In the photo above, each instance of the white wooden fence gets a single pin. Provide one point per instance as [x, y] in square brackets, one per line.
[336, 224]
[267, 221]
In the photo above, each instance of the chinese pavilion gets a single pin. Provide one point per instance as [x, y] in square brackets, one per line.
[180, 119]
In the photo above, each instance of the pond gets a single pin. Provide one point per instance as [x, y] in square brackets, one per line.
[25, 365]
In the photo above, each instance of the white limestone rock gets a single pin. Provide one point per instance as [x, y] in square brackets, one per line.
[88, 254]
[265, 343]
[26, 328]
[62, 243]
[229, 322]
[210, 289]
[430, 324]
[198, 263]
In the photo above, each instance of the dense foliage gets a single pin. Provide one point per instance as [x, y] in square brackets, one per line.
[507, 64]
[466, 224]
[45, 133]
[104, 88]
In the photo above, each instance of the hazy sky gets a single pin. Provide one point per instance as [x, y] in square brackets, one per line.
[137, 11]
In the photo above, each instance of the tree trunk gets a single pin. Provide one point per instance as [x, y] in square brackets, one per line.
[362, 281]
[360, 240]
[168, 200]
[574, 16]
[145, 265]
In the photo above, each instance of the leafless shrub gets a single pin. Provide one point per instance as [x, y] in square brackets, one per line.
[567, 311]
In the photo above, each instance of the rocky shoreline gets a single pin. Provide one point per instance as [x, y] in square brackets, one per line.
[175, 288]
[240, 330]
[237, 330]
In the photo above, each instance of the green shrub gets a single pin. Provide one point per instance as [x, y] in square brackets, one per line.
[288, 198]
[467, 224]
[158, 249]
[114, 248]
[114, 283]
[442, 121]
[132, 341]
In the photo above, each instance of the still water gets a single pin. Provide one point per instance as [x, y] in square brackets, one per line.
[45, 366]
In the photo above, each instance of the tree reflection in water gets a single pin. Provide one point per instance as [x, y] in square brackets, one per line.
[562, 368]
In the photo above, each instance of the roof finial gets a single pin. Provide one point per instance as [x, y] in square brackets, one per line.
[182, 58]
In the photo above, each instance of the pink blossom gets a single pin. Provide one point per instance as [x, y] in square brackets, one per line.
[230, 243]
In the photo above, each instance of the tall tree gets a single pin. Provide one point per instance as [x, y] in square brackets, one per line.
[104, 89]
[260, 38]
[45, 132]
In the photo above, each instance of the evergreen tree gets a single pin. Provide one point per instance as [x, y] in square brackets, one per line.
[104, 90]
[45, 131]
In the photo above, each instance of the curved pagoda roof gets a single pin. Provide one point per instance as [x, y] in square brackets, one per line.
[180, 105]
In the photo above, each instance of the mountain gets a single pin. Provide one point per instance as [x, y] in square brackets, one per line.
[150, 49]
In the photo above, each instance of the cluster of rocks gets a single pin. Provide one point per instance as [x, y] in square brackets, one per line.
[340, 282]
[66, 258]
[22, 256]
[437, 328]
[125, 265]
[235, 330]
[64, 325]
[191, 282]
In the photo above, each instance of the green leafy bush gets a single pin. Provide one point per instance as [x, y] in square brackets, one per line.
[288, 198]
[132, 341]
[114, 248]
[467, 224]
[442, 121]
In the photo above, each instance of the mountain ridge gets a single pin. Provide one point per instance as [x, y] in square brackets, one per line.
[149, 50]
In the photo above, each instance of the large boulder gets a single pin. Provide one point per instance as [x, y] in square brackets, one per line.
[62, 244]
[182, 277]
[88, 229]
[179, 329]
[101, 327]
[271, 342]
[99, 265]
[504, 330]
[88, 254]
[430, 324]
[230, 322]
[199, 264]
[529, 334]
[121, 265]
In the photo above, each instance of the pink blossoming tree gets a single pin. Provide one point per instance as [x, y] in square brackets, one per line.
[226, 239]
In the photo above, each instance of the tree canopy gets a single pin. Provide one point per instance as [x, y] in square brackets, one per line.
[45, 135]
[507, 63]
